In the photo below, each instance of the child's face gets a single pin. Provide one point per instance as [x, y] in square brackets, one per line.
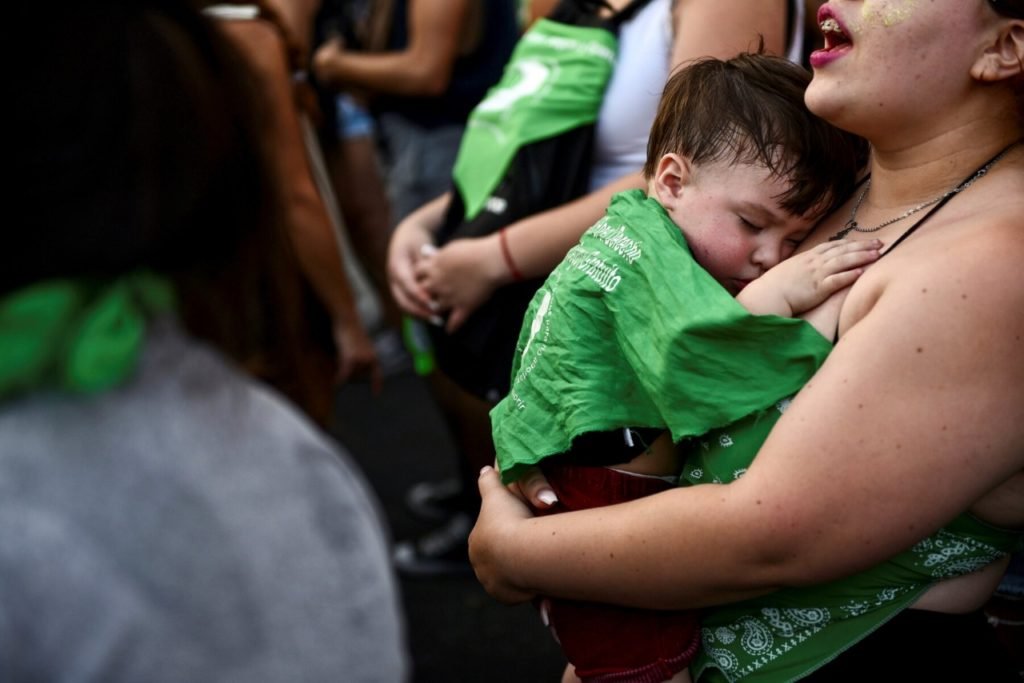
[734, 226]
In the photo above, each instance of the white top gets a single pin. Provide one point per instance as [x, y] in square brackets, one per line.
[631, 100]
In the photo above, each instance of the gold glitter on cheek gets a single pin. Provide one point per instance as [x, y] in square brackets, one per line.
[888, 14]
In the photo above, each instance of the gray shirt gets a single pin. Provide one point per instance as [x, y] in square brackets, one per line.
[187, 526]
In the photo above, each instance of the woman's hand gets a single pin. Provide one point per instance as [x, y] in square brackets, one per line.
[408, 243]
[534, 489]
[324, 59]
[357, 357]
[462, 275]
[501, 513]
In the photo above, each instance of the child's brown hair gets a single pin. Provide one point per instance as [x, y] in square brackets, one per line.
[750, 109]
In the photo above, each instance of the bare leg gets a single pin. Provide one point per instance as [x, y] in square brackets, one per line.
[468, 419]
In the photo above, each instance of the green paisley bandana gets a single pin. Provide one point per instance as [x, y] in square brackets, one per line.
[75, 335]
[554, 81]
[785, 635]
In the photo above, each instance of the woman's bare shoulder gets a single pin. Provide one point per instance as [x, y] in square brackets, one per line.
[964, 254]
[976, 240]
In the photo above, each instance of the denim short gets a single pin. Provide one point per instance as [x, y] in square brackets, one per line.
[352, 119]
[418, 161]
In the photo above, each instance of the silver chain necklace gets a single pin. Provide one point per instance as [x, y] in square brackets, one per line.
[851, 224]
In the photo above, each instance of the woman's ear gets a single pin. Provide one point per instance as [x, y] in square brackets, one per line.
[671, 177]
[1004, 58]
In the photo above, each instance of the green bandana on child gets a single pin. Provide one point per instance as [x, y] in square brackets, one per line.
[629, 331]
[75, 335]
[554, 81]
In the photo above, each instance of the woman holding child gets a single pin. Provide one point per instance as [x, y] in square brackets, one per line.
[885, 497]
[468, 279]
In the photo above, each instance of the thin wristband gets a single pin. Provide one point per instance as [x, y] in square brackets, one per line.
[513, 271]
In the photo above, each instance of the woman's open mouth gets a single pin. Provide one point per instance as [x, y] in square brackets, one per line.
[837, 39]
[834, 34]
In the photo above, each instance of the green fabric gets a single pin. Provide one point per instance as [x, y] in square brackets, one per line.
[629, 331]
[75, 335]
[788, 634]
[417, 343]
[554, 82]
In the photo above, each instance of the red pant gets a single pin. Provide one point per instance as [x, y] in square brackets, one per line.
[607, 642]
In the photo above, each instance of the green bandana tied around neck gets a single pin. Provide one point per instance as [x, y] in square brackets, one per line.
[75, 335]
[629, 331]
[554, 81]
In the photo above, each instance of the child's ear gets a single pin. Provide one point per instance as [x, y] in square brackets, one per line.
[1004, 58]
[671, 177]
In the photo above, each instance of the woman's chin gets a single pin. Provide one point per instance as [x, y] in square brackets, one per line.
[825, 100]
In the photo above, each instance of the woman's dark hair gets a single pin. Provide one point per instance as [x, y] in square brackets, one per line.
[140, 146]
[1008, 8]
[138, 131]
[751, 109]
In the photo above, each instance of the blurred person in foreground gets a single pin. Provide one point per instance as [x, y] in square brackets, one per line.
[162, 516]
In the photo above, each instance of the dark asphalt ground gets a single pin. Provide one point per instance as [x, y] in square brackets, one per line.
[456, 632]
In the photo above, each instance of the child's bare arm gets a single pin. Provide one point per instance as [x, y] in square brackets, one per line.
[802, 282]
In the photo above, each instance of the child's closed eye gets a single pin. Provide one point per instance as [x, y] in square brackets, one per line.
[797, 239]
[750, 226]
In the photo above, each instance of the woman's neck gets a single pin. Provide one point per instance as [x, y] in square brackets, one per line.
[903, 176]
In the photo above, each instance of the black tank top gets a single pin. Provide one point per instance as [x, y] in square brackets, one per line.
[472, 74]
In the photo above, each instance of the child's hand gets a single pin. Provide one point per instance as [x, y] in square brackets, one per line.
[802, 282]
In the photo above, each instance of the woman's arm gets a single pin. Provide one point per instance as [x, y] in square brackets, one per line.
[538, 9]
[464, 273]
[305, 216]
[916, 415]
[424, 67]
[294, 18]
[724, 28]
